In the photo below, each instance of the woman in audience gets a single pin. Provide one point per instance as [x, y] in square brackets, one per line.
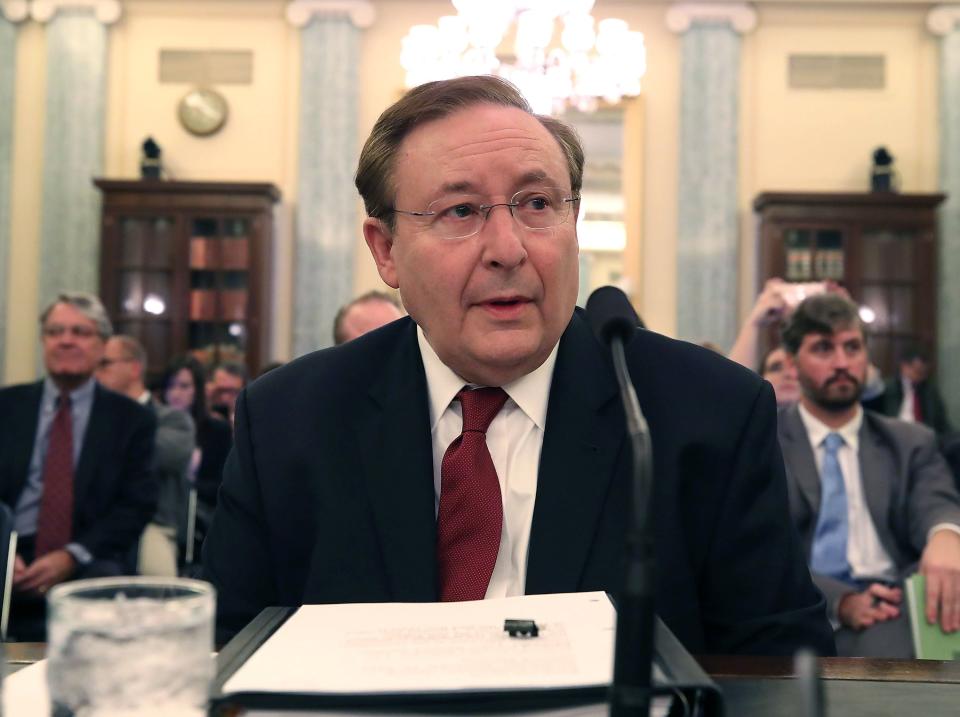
[182, 388]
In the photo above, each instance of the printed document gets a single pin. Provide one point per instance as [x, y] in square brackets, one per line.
[395, 648]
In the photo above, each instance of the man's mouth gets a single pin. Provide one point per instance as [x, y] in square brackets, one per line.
[505, 307]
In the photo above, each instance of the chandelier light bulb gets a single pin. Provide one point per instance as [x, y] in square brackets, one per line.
[452, 33]
[578, 34]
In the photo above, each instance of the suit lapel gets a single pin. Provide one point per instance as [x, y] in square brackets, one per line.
[399, 471]
[583, 438]
[798, 457]
[876, 479]
[23, 429]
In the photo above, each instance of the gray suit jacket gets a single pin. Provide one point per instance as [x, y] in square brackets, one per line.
[906, 483]
[175, 441]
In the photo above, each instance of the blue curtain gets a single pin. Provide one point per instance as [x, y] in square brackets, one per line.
[708, 231]
[8, 54]
[72, 153]
[326, 218]
[949, 294]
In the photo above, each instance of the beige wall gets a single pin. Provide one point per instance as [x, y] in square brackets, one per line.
[822, 140]
[789, 139]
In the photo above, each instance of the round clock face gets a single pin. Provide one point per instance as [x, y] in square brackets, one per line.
[202, 111]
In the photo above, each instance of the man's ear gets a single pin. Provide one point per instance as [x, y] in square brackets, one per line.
[380, 242]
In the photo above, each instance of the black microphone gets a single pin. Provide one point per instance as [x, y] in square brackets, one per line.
[611, 314]
[614, 321]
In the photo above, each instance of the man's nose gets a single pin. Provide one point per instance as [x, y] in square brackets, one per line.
[502, 236]
[840, 358]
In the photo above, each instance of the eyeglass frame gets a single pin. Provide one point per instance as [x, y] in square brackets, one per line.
[487, 208]
[78, 332]
[108, 362]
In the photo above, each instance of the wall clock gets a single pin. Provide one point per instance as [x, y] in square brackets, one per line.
[202, 111]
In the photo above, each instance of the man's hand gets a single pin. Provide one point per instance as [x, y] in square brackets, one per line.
[878, 603]
[19, 568]
[45, 572]
[940, 565]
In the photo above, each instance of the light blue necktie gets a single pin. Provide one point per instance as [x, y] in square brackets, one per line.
[829, 554]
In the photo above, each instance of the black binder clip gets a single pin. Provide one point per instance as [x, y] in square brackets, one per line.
[521, 628]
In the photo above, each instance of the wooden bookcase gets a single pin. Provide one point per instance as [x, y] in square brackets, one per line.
[186, 267]
[881, 246]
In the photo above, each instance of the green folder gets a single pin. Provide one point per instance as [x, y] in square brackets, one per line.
[929, 641]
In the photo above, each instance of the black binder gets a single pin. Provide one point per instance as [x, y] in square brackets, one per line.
[697, 695]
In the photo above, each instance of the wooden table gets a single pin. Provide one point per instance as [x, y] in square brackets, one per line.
[758, 686]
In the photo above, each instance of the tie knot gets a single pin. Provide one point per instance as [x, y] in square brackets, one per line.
[480, 406]
[63, 401]
[832, 442]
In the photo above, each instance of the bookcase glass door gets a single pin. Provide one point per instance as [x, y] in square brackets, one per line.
[814, 254]
[145, 282]
[889, 277]
[219, 288]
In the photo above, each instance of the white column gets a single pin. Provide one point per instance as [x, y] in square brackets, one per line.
[326, 222]
[73, 141]
[708, 227]
[945, 22]
[11, 12]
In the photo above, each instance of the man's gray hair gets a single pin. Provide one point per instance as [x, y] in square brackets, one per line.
[88, 305]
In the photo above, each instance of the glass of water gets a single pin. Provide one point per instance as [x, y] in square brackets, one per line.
[130, 645]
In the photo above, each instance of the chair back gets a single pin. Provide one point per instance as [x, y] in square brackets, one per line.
[8, 554]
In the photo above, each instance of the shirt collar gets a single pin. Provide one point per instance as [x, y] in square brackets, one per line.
[144, 398]
[817, 430]
[530, 392]
[51, 392]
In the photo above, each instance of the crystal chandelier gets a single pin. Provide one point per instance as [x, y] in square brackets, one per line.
[591, 61]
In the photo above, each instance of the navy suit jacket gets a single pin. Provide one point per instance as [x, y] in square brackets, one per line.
[115, 489]
[328, 495]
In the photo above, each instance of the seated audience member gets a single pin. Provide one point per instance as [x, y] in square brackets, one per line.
[782, 375]
[122, 369]
[363, 314]
[871, 496]
[75, 465]
[226, 381]
[182, 388]
[424, 462]
[912, 396]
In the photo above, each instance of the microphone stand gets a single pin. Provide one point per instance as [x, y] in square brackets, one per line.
[631, 691]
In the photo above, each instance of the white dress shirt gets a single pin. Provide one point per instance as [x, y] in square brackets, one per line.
[865, 552]
[514, 438]
[906, 408]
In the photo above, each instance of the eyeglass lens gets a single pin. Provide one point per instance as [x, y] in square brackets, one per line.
[463, 216]
[79, 332]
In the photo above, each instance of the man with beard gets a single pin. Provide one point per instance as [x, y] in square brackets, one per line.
[871, 497]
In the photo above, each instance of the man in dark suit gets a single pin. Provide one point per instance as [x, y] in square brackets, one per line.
[871, 496]
[911, 395]
[122, 369]
[75, 464]
[361, 473]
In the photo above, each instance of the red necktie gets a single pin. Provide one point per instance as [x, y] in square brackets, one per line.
[471, 509]
[55, 524]
[917, 410]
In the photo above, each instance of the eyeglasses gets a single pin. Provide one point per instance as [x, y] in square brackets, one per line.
[54, 331]
[107, 362]
[462, 216]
